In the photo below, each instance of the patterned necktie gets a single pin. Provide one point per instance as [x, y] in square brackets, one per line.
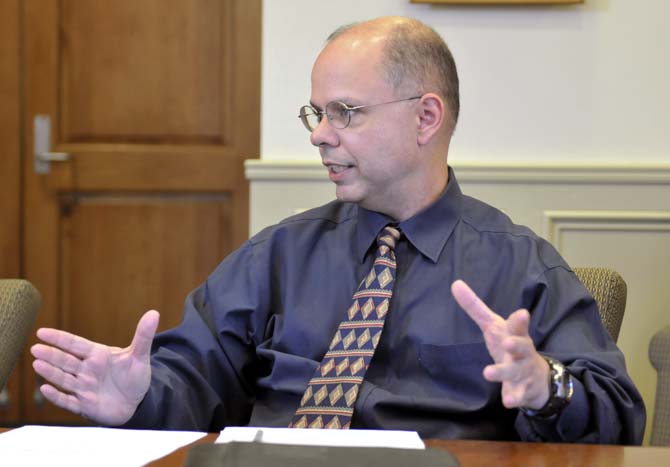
[328, 401]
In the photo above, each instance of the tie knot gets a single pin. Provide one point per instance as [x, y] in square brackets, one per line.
[389, 236]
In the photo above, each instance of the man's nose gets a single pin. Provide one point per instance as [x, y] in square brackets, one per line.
[324, 133]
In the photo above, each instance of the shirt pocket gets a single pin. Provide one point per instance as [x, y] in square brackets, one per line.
[457, 370]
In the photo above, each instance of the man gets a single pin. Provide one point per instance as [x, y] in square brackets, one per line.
[384, 105]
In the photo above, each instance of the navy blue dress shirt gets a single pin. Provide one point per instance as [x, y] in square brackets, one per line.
[253, 334]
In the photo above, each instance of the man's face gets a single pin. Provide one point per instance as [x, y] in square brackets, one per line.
[374, 160]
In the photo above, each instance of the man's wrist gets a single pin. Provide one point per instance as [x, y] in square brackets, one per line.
[560, 392]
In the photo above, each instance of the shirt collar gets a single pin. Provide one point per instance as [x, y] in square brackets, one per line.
[428, 230]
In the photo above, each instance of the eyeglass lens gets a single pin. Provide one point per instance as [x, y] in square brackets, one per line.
[309, 117]
[337, 112]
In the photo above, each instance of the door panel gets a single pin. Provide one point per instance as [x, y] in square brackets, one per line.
[155, 247]
[157, 103]
[135, 73]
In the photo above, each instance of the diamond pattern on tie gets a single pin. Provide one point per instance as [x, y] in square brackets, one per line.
[363, 338]
[334, 424]
[385, 278]
[349, 339]
[329, 365]
[353, 309]
[382, 308]
[367, 308]
[328, 401]
[351, 395]
[336, 339]
[357, 366]
[341, 366]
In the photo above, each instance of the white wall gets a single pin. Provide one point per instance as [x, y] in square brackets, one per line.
[587, 82]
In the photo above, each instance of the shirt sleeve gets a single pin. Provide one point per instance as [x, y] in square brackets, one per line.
[203, 370]
[606, 407]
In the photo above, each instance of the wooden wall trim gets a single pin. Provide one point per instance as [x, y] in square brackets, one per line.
[630, 174]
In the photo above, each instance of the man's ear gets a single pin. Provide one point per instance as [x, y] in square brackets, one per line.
[432, 115]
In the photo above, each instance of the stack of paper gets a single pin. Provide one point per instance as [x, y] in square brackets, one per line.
[54, 446]
[350, 438]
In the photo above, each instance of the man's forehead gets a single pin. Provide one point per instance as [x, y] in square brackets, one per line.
[359, 40]
[348, 59]
[350, 84]
[348, 69]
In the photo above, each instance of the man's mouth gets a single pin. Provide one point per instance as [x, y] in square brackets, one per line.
[336, 168]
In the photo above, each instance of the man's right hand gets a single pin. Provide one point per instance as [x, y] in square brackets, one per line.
[104, 384]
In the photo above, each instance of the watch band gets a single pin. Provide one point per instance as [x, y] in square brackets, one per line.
[560, 391]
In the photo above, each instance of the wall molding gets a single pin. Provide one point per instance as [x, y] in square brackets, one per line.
[568, 173]
[557, 222]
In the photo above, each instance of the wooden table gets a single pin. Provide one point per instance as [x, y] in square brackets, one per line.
[504, 453]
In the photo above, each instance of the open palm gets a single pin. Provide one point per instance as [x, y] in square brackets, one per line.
[99, 382]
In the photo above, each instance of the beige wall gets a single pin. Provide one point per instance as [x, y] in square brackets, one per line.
[575, 83]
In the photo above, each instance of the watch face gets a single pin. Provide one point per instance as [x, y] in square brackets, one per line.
[560, 391]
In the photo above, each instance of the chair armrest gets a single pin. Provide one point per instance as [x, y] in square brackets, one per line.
[659, 355]
[19, 302]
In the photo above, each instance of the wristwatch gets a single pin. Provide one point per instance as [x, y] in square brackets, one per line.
[560, 391]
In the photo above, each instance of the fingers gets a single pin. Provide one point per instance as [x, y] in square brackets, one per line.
[73, 344]
[56, 376]
[524, 380]
[144, 334]
[515, 384]
[56, 358]
[518, 366]
[518, 347]
[61, 399]
[472, 304]
[515, 397]
[525, 385]
[501, 372]
[517, 323]
[517, 351]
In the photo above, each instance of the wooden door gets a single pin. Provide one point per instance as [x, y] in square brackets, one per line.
[10, 214]
[156, 104]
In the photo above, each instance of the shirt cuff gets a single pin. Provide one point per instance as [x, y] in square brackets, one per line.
[568, 426]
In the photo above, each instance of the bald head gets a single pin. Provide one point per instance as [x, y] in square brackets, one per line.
[414, 57]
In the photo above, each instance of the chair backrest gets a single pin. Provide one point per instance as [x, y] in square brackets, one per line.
[19, 302]
[659, 355]
[609, 290]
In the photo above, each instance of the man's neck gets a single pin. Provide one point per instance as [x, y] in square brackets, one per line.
[424, 196]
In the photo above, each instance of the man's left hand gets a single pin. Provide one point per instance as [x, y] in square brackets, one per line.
[517, 364]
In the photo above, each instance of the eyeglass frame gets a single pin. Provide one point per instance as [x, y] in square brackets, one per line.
[349, 109]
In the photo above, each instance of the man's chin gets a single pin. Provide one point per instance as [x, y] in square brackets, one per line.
[347, 195]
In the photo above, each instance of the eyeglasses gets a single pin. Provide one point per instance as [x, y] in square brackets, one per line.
[338, 113]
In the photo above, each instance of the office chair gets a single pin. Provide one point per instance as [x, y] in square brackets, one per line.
[609, 290]
[19, 302]
[659, 355]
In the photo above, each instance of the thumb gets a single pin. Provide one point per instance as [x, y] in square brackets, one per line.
[144, 334]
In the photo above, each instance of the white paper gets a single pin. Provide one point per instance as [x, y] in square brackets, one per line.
[307, 437]
[54, 446]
